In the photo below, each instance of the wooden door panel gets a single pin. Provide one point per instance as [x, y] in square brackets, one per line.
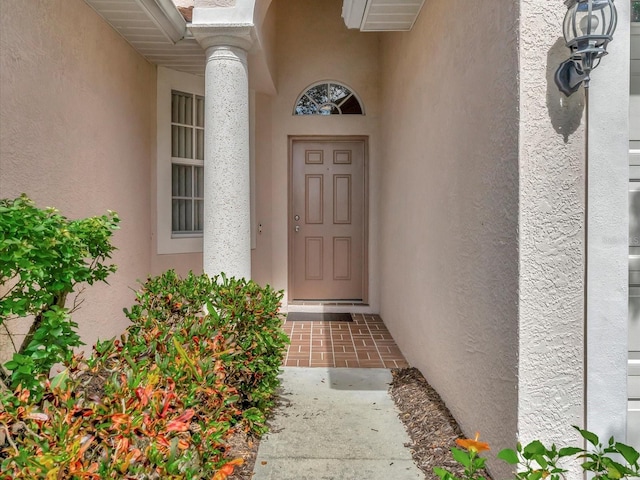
[328, 219]
[314, 258]
[314, 199]
[342, 258]
[342, 199]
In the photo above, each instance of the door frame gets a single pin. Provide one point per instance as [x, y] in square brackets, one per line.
[365, 220]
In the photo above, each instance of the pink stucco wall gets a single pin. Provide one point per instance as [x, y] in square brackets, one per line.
[449, 206]
[261, 255]
[77, 131]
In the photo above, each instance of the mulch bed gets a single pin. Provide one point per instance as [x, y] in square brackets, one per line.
[432, 429]
[245, 446]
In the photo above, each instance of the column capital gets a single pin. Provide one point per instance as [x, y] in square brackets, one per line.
[240, 36]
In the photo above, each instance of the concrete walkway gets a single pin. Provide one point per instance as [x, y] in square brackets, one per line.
[336, 424]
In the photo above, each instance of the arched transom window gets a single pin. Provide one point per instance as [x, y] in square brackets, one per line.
[328, 98]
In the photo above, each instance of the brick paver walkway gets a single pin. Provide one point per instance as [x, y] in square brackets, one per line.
[365, 343]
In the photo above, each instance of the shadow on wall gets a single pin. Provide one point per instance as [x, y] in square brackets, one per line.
[565, 112]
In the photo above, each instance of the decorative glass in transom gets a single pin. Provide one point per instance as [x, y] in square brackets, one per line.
[328, 98]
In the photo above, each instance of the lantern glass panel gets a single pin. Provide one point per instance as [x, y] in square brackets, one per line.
[590, 18]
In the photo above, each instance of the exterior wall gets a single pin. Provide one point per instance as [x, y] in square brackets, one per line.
[78, 133]
[262, 266]
[182, 263]
[608, 241]
[313, 44]
[552, 151]
[449, 207]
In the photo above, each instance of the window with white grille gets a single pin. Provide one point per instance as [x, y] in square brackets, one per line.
[187, 163]
[179, 162]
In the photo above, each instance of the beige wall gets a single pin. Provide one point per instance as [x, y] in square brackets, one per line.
[77, 131]
[261, 261]
[313, 44]
[449, 207]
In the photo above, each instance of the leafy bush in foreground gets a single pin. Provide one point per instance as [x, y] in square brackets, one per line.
[535, 461]
[243, 313]
[160, 401]
[43, 256]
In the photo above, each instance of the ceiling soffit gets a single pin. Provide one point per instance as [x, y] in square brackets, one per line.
[156, 30]
[381, 15]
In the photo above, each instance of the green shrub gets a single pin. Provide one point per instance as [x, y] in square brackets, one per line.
[160, 401]
[245, 314]
[43, 256]
[140, 427]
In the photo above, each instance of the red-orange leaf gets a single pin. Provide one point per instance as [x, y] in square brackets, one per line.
[473, 445]
[227, 469]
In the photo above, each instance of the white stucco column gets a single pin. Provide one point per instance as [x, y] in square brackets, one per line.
[608, 240]
[227, 190]
[551, 361]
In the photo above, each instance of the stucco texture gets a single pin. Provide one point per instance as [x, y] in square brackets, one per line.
[449, 207]
[77, 131]
[551, 257]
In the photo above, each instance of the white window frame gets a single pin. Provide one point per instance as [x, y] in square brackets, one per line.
[169, 80]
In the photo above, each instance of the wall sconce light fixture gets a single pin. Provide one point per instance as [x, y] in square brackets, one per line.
[588, 29]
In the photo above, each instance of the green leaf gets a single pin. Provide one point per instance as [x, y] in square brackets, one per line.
[509, 456]
[11, 365]
[39, 354]
[461, 457]
[60, 380]
[614, 473]
[443, 474]
[534, 448]
[629, 453]
[592, 438]
[569, 451]
[537, 475]
[541, 461]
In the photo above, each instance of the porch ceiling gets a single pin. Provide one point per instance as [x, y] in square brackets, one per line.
[381, 15]
[156, 30]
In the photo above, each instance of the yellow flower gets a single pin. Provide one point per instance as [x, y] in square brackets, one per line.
[473, 445]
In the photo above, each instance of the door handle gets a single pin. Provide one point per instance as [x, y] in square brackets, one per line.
[297, 228]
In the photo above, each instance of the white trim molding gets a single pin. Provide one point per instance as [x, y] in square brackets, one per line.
[167, 17]
[352, 12]
[381, 15]
[169, 80]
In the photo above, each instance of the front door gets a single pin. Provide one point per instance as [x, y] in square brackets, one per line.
[327, 238]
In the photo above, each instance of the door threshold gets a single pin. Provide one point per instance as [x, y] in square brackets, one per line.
[319, 317]
[329, 307]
